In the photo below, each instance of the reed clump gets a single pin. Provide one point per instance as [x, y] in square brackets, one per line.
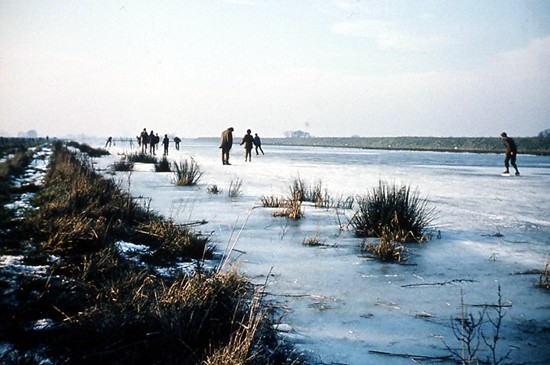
[187, 172]
[389, 247]
[395, 208]
[292, 207]
[163, 165]
[214, 189]
[235, 188]
[273, 201]
[141, 158]
[124, 164]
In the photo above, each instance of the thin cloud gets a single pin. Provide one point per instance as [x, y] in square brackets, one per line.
[387, 34]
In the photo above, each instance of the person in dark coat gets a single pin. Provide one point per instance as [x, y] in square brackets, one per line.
[258, 143]
[248, 141]
[152, 143]
[109, 142]
[165, 143]
[226, 142]
[511, 153]
[144, 140]
[177, 140]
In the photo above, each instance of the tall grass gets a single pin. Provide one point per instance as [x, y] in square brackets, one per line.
[187, 172]
[163, 165]
[292, 207]
[235, 188]
[389, 247]
[141, 157]
[106, 309]
[124, 164]
[395, 209]
[87, 149]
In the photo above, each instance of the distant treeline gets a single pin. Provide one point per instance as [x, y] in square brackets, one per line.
[526, 145]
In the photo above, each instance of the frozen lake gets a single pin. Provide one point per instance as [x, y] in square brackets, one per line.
[342, 307]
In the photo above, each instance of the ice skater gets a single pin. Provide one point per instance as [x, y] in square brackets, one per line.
[226, 142]
[258, 143]
[144, 140]
[165, 143]
[177, 141]
[248, 141]
[511, 153]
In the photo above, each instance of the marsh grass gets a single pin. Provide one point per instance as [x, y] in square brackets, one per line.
[13, 167]
[273, 201]
[163, 165]
[106, 309]
[171, 242]
[124, 164]
[314, 241]
[187, 172]
[315, 194]
[389, 247]
[214, 189]
[142, 158]
[235, 188]
[292, 207]
[393, 208]
[87, 149]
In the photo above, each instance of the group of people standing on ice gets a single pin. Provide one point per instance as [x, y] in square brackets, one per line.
[226, 142]
[148, 141]
[152, 140]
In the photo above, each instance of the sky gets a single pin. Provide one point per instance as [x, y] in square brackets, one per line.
[335, 68]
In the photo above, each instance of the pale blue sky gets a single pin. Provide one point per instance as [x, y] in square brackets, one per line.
[332, 68]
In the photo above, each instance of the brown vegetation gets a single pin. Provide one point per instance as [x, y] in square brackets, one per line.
[93, 304]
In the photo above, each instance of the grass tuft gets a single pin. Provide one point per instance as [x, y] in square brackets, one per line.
[163, 165]
[187, 172]
[235, 188]
[393, 209]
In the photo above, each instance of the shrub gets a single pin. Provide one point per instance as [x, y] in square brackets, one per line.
[187, 173]
[163, 165]
[142, 158]
[405, 214]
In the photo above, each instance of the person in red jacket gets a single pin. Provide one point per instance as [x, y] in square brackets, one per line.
[511, 153]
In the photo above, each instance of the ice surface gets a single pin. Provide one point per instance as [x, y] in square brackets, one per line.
[337, 304]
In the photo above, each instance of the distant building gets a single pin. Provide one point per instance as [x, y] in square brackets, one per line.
[297, 134]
